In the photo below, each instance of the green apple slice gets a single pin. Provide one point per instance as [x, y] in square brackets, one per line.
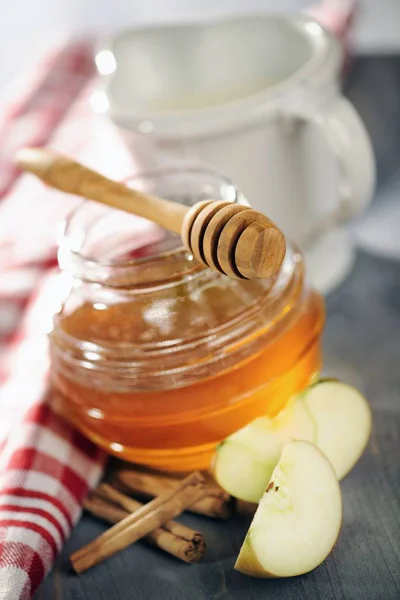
[245, 460]
[331, 414]
[298, 519]
[342, 420]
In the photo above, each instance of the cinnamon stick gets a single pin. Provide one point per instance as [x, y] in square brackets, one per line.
[140, 523]
[188, 545]
[104, 510]
[106, 491]
[218, 503]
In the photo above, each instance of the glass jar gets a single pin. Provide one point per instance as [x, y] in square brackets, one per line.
[157, 358]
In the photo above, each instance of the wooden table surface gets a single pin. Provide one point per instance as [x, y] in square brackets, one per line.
[362, 345]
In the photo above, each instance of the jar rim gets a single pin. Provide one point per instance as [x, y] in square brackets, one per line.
[177, 262]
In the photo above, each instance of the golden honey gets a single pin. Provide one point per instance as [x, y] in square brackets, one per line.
[157, 359]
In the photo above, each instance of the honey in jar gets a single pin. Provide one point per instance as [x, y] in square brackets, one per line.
[157, 358]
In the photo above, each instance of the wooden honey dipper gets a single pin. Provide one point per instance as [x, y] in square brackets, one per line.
[230, 238]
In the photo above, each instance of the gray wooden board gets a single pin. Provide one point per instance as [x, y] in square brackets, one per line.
[362, 345]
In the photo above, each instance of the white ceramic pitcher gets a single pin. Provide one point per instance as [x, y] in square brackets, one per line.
[258, 100]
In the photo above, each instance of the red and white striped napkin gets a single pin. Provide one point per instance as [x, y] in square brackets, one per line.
[46, 468]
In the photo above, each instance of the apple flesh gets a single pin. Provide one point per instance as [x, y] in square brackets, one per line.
[245, 460]
[342, 421]
[331, 414]
[298, 518]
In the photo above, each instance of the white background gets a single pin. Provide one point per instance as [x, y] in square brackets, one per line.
[24, 24]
